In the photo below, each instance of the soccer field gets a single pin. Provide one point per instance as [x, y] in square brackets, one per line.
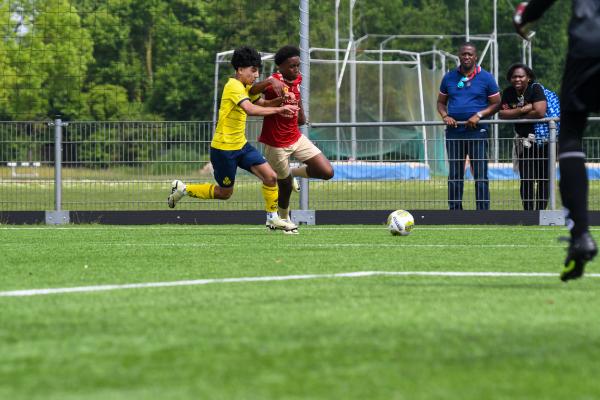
[337, 312]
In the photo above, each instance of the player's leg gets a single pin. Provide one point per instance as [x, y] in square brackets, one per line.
[579, 96]
[278, 158]
[574, 193]
[252, 161]
[316, 165]
[224, 166]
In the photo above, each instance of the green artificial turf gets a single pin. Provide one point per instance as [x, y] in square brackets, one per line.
[377, 337]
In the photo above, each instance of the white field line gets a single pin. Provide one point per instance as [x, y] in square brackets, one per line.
[360, 274]
[261, 228]
[330, 245]
[309, 245]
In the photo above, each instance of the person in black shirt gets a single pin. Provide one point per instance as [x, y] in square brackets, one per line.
[579, 96]
[525, 99]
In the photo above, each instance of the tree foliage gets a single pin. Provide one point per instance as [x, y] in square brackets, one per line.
[154, 59]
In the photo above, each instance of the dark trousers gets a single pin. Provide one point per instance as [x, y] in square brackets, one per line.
[477, 150]
[533, 170]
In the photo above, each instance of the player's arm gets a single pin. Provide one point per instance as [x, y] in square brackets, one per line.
[261, 86]
[535, 9]
[276, 102]
[526, 13]
[256, 110]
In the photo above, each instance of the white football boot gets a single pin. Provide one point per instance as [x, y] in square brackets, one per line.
[274, 222]
[295, 185]
[291, 231]
[177, 193]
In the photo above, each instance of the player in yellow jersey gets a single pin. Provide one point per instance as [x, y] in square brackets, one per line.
[230, 149]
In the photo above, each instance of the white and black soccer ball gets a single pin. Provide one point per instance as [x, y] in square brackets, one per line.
[400, 223]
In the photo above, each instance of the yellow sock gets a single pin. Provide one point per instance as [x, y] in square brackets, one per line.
[270, 194]
[201, 191]
[300, 171]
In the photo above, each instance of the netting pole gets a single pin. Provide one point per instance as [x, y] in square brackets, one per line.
[304, 215]
[337, 78]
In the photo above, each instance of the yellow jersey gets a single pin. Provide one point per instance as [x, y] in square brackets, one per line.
[230, 133]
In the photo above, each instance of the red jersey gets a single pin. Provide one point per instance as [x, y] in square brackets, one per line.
[279, 130]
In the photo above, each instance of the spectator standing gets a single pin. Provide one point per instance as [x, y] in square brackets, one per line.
[468, 93]
[525, 99]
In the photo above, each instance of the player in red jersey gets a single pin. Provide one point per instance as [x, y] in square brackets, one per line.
[282, 137]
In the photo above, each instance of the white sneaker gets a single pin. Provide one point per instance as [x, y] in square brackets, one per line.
[295, 185]
[285, 225]
[177, 193]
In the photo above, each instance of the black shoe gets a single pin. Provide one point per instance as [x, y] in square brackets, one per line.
[580, 251]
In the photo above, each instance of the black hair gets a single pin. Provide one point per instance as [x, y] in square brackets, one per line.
[527, 70]
[286, 52]
[468, 44]
[246, 57]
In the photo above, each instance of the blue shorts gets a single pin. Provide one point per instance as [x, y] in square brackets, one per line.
[225, 163]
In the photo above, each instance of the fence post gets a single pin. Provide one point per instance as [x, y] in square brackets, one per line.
[304, 215]
[552, 164]
[552, 216]
[57, 216]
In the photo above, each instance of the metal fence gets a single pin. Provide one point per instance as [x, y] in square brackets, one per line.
[129, 166]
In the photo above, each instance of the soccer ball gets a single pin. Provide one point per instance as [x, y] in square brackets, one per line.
[400, 223]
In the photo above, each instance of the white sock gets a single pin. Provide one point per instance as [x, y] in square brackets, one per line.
[272, 215]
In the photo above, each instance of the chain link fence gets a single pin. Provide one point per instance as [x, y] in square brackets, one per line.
[129, 166]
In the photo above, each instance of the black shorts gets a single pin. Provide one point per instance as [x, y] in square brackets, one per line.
[581, 85]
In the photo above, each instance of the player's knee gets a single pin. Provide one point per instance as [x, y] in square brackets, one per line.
[223, 193]
[328, 173]
[325, 173]
[270, 179]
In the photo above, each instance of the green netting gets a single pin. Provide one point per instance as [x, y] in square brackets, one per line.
[401, 102]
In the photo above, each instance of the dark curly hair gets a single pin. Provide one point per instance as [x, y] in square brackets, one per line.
[286, 52]
[525, 68]
[246, 57]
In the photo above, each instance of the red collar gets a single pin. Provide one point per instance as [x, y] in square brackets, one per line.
[475, 71]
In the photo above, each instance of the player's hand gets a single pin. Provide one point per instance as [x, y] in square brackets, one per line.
[448, 120]
[277, 85]
[288, 110]
[473, 121]
[524, 30]
[290, 96]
